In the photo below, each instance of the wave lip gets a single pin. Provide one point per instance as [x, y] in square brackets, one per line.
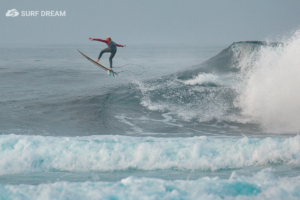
[262, 185]
[23, 154]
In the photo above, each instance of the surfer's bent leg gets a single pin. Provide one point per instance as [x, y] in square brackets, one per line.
[113, 53]
[103, 51]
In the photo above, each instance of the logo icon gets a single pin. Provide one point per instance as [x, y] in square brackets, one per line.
[12, 13]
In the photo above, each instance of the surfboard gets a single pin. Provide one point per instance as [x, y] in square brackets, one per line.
[109, 72]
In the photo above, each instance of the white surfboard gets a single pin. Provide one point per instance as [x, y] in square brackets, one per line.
[109, 72]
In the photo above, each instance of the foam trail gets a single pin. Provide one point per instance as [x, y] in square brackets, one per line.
[270, 93]
[262, 185]
[23, 154]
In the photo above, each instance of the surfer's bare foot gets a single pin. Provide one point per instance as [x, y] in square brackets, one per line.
[91, 39]
[97, 60]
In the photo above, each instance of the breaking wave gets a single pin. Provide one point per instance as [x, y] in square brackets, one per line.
[270, 89]
[248, 82]
[24, 154]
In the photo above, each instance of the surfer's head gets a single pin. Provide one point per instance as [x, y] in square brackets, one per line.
[108, 38]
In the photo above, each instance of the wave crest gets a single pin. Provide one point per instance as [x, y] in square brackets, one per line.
[22, 154]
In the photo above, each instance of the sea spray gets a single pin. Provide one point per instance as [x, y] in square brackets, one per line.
[269, 91]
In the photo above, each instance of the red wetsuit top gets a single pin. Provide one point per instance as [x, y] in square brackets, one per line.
[109, 42]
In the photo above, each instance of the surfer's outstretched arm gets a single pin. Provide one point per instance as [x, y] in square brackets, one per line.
[106, 41]
[119, 45]
[100, 40]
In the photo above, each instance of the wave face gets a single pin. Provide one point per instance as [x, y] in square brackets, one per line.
[24, 154]
[262, 185]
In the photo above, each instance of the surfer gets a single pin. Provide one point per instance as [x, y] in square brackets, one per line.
[112, 48]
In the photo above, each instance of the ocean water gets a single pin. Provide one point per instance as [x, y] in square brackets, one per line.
[179, 122]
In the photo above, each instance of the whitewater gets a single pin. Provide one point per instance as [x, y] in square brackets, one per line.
[200, 122]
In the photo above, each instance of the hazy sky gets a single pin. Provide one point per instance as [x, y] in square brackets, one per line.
[155, 21]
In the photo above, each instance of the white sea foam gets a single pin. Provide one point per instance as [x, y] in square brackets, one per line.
[202, 103]
[262, 185]
[20, 154]
[270, 90]
[204, 79]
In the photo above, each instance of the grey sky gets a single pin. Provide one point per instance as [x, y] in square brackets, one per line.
[155, 21]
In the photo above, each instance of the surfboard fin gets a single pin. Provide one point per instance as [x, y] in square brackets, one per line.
[110, 72]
